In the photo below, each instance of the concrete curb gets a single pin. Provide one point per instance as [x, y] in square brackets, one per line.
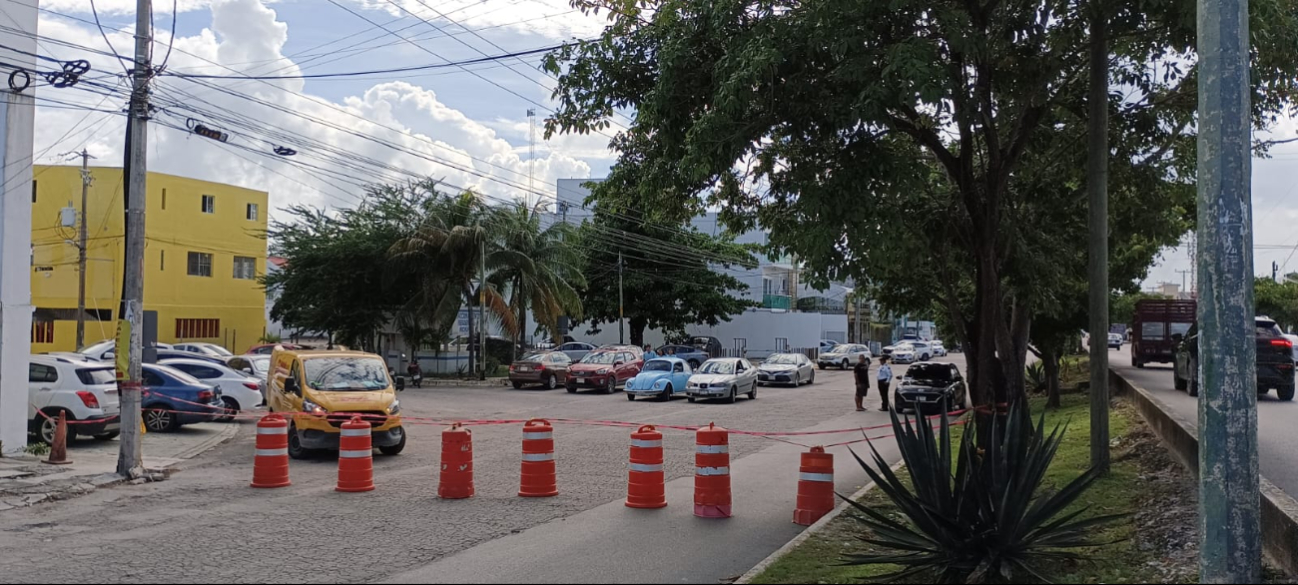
[1279, 510]
[488, 383]
[808, 533]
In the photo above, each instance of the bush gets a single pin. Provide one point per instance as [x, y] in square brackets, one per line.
[1036, 376]
[991, 520]
[37, 449]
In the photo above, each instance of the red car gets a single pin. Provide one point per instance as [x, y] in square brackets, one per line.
[547, 368]
[607, 368]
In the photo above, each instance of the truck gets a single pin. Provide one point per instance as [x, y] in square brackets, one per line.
[1154, 324]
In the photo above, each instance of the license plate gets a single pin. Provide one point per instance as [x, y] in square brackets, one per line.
[581, 380]
[524, 369]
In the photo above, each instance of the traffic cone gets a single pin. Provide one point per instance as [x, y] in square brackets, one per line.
[712, 473]
[456, 482]
[538, 477]
[815, 487]
[355, 457]
[270, 466]
[645, 487]
[59, 450]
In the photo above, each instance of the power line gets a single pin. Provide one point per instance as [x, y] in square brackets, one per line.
[486, 59]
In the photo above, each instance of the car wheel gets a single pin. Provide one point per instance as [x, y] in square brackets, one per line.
[551, 382]
[797, 379]
[517, 385]
[691, 399]
[397, 448]
[1138, 363]
[752, 394]
[630, 397]
[231, 409]
[734, 395]
[572, 389]
[295, 448]
[1177, 381]
[666, 396]
[846, 365]
[1285, 393]
[612, 385]
[158, 420]
[44, 427]
[821, 366]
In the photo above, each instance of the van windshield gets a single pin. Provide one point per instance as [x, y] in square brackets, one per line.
[346, 373]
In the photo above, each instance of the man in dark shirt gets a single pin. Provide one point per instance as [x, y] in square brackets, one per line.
[862, 374]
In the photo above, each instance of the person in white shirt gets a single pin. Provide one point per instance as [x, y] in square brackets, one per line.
[885, 377]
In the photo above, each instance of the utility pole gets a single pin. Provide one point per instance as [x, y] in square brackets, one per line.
[621, 313]
[81, 247]
[130, 325]
[1183, 273]
[1097, 186]
[482, 313]
[531, 154]
[1275, 271]
[1230, 545]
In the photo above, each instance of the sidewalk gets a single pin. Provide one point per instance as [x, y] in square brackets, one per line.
[616, 544]
[26, 481]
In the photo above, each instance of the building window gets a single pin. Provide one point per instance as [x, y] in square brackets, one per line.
[164, 199]
[245, 268]
[43, 332]
[252, 212]
[200, 264]
[33, 191]
[162, 262]
[198, 328]
[209, 204]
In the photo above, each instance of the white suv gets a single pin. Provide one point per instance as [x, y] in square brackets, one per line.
[86, 391]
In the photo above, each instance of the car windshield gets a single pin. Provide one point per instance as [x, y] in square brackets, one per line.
[931, 372]
[1268, 330]
[718, 368]
[346, 373]
[97, 376]
[600, 357]
[657, 366]
[784, 358]
[261, 364]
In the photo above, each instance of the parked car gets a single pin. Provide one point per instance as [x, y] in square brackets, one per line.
[939, 349]
[786, 368]
[173, 399]
[1115, 341]
[930, 387]
[605, 369]
[269, 348]
[257, 366]
[207, 349]
[689, 353]
[547, 368]
[904, 353]
[724, 378]
[923, 350]
[844, 356]
[1275, 360]
[708, 344]
[175, 354]
[663, 377]
[324, 389]
[575, 350]
[827, 345]
[86, 391]
[239, 391]
[105, 350]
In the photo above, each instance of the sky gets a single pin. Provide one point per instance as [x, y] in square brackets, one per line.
[468, 128]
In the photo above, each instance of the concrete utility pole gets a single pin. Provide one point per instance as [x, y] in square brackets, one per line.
[130, 324]
[17, 120]
[1230, 548]
[482, 313]
[1097, 187]
[83, 240]
[621, 313]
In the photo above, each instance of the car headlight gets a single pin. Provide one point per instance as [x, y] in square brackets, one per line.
[720, 385]
[395, 408]
[603, 371]
[313, 408]
[660, 384]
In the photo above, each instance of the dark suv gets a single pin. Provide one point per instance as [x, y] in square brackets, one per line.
[1275, 364]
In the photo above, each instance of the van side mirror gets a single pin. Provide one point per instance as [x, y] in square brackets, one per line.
[290, 385]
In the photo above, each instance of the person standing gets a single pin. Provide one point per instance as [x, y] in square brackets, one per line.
[862, 373]
[885, 378]
[649, 352]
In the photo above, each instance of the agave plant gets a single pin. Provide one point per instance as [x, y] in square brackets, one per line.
[1036, 376]
[989, 521]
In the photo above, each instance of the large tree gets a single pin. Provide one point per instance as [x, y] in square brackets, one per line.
[870, 135]
[671, 277]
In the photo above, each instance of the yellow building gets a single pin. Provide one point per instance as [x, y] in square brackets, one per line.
[205, 247]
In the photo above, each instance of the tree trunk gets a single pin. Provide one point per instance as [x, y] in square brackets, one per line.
[472, 339]
[1050, 360]
[638, 325]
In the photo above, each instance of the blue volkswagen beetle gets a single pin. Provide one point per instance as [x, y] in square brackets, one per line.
[662, 377]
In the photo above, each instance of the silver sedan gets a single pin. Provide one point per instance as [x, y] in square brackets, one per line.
[724, 378]
[786, 368]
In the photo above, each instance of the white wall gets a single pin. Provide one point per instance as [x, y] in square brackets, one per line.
[760, 327]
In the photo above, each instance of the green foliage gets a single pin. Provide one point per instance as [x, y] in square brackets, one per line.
[1278, 300]
[1122, 308]
[669, 295]
[1036, 376]
[37, 449]
[990, 520]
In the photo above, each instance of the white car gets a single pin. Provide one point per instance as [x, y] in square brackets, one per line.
[939, 350]
[923, 350]
[104, 351]
[844, 356]
[904, 353]
[724, 378]
[85, 390]
[240, 392]
[207, 349]
[786, 368]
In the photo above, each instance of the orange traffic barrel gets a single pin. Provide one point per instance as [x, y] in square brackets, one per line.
[712, 473]
[270, 466]
[645, 487]
[538, 479]
[456, 482]
[355, 457]
[815, 487]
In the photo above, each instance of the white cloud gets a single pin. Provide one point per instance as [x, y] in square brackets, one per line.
[432, 138]
[119, 7]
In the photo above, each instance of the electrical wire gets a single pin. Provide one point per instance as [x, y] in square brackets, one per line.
[486, 59]
[104, 34]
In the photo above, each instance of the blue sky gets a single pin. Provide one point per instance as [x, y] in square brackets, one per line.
[452, 115]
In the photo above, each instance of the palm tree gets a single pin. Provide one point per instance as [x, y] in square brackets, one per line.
[548, 273]
[450, 242]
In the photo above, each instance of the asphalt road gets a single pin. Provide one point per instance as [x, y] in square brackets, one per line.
[206, 525]
[1276, 429]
